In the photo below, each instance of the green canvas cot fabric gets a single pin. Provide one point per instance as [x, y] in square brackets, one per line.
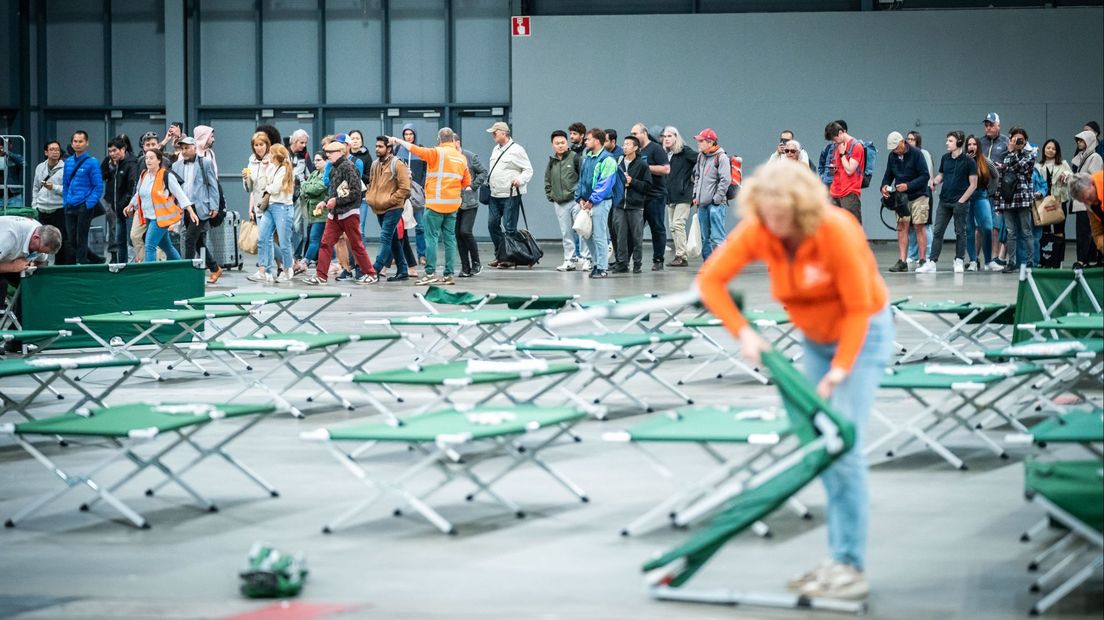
[254, 298]
[1074, 486]
[777, 317]
[1074, 323]
[289, 340]
[440, 374]
[440, 295]
[148, 317]
[481, 317]
[427, 427]
[1051, 283]
[33, 365]
[28, 212]
[1078, 426]
[620, 340]
[916, 376]
[1048, 349]
[119, 421]
[602, 303]
[711, 424]
[985, 311]
[28, 336]
[58, 292]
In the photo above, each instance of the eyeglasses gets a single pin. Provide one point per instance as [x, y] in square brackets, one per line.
[789, 151]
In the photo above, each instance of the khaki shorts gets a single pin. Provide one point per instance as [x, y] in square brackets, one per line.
[918, 212]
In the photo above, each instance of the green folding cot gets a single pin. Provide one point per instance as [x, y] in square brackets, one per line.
[964, 394]
[45, 370]
[440, 296]
[964, 327]
[628, 355]
[711, 428]
[774, 325]
[823, 435]
[448, 379]
[1074, 325]
[126, 429]
[1072, 494]
[1067, 363]
[32, 340]
[1045, 294]
[166, 330]
[282, 304]
[454, 443]
[465, 333]
[287, 348]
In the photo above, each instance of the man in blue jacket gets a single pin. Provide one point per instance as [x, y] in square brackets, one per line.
[907, 173]
[82, 187]
[597, 178]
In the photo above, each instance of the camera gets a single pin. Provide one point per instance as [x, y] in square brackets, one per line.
[1019, 141]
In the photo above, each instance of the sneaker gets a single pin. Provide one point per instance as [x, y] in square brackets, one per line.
[912, 263]
[1001, 262]
[260, 276]
[300, 267]
[446, 281]
[958, 266]
[679, 261]
[344, 275]
[315, 281]
[972, 266]
[994, 266]
[599, 273]
[566, 266]
[899, 267]
[927, 267]
[428, 278]
[639, 269]
[838, 581]
[368, 278]
[618, 268]
[268, 279]
[656, 266]
[465, 274]
[477, 269]
[285, 276]
[1010, 268]
[587, 265]
[399, 277]
[797, 582]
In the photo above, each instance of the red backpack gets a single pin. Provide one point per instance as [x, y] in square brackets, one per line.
[736, 167]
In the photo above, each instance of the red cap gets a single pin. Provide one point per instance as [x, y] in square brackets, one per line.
[707, 134]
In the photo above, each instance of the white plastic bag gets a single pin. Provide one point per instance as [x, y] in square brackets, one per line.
[693, 238]
[408, 216]
[583, 223]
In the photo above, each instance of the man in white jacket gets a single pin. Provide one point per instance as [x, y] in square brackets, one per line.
[510, 174]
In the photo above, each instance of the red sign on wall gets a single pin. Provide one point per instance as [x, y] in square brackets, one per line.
[519, 26]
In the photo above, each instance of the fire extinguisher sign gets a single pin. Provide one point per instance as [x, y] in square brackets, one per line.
[519, 26]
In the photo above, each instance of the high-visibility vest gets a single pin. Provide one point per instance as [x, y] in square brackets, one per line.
[446, 176]
[165, 208]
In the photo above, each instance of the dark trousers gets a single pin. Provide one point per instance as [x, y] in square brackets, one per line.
[465, 239]
[503, 213]
[57, 220]
[943, 215]
[78, 219]
[195, 237]
[390, 244]
[628, 229]
[655, 214]
[121, 242]
[1087, 253]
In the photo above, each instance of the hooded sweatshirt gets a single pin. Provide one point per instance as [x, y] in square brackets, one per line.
[202, 135]
[712, 176]
[1086, 161]
[415, 163]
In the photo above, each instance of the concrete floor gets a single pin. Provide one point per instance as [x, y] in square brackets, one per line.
[943, 543]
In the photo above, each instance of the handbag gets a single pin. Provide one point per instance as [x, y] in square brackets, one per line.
[248, 237]
[1047, 211]
[584, 223]
[693, 238]
[485, 189]
[519, 247]
[262, 204]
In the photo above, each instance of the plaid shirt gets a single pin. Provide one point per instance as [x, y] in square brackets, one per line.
[1023, 164]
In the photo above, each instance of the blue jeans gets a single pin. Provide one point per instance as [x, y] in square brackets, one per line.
[980, 216]
[315, 236]
[419, 233]
[501, 212]
[157, 237]
[599, 235]
[846, 480]
[711, 219]
[655, 216]
[1020, 231]
[390, 245]
[277, 219]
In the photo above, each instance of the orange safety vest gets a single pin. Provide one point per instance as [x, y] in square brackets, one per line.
[446, 176]
[165, 208]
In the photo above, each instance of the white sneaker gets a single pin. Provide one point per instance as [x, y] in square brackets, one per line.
[927, 267]
[958, 266]
[994, 266]
[797, 582]
[972, 266]
[285, 276]
[587, 266]
[567, 265]
[260, 276]
[912, 262]
[838, 581]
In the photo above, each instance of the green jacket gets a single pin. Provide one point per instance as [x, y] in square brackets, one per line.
[311, 192]
[561, 176]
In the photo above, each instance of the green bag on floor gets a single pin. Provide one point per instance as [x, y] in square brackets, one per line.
[270, 573]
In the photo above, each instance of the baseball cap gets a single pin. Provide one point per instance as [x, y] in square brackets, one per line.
[342, 138]
[992, 117]
[499, 126]
[707, 134]
[186, 140]
[893, 139]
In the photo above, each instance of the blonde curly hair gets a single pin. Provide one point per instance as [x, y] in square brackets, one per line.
[791, 185]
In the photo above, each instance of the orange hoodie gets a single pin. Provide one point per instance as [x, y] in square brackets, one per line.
[830, 286]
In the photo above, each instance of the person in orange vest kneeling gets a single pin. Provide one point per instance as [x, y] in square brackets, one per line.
[160, 199]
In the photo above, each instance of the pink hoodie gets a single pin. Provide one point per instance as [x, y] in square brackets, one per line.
[203, 135]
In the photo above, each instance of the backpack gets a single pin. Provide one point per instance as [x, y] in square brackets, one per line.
[1008, 182]
[870, 161]
[736, 169]
[417, 193]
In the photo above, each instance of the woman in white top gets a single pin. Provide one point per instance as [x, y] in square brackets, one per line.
[161, 211]
[277, 182]
[254, 169]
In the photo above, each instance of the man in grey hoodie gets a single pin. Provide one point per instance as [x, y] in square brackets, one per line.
[712, 176]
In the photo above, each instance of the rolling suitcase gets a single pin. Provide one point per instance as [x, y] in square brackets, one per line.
[222, 242]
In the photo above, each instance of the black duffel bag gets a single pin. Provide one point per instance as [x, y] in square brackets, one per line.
[520, 248]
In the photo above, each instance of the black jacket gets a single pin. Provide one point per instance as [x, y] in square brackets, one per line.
[636, 193]
[120, 182]
[910, 169]
[345, 186]
[680, 183]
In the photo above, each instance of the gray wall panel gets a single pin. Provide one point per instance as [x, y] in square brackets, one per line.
[354, 37]
[75, 53]
[137, 33]
[899, 70]
[418, 51]
[289, 43]
[227, 53]
[482, 58]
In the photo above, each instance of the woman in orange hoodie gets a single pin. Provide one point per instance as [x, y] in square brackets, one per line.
[823, 272]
